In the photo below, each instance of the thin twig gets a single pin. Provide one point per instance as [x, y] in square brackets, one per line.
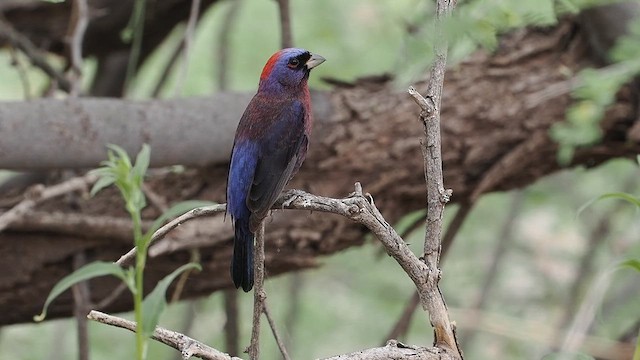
[189, 34]
[37, 58]
[81, 306]
[22, 72]
[285, 24]
[137, 29]
[584, 272]
[224, 37]
[80, 12]
[586, 312]
[113, 295]
[505, 237]
[189, 320]
[401, 326]
[537, 331]
[39, 193]
[231, 329]
[163, 231]
[454, 226]
[164, 76]
[274, 330]
[259, 295]
[182, 280]
[357, 207]
[187, 346]
[296, 284]
[437, 196]
[154, 198]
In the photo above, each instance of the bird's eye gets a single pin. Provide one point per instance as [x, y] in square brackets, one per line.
[293, 63]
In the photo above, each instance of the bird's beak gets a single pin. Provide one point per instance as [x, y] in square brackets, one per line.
[314, 61]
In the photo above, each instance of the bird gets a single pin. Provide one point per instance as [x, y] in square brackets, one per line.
[269, 147]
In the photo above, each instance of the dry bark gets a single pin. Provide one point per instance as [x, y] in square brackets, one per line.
[497, 110]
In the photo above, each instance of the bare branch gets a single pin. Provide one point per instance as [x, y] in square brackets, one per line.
[259, 295]
[39, 193]
[394, 350]
[187, 346]
[80, 13]
[81, 299]
[223, 44]
[437, 196]
[454, 226]
[285, 24]
[401, 326]
[163, 231]
[231, 330]
[36, 57]
[274, 330]
[189, 34]
[505, 237]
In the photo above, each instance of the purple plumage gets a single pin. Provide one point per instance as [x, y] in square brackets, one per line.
[269, 147]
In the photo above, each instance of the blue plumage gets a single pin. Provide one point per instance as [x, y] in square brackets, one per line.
[270, 145]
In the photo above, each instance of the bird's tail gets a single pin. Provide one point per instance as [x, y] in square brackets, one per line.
[242, 263]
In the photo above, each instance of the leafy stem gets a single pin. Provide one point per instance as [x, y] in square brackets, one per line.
[128, 178]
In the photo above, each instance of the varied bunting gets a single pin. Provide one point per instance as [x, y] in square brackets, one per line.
[269, 147]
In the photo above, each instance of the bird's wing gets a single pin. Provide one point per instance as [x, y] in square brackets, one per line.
[280, 147]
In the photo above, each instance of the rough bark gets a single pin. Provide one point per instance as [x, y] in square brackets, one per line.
[497, 109]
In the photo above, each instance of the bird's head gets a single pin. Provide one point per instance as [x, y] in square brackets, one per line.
[288, 69]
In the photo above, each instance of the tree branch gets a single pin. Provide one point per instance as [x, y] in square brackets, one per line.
[285, 24]
[259, 295]
[430, 295]
[394, 350]
[186, 345]
[39, 193]
[36, 57]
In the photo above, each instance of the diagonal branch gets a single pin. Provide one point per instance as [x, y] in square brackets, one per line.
[39, 194]
[357, 207]
[36, 57]
[187, 346]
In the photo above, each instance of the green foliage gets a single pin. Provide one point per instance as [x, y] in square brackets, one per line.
[483, 20]
[595, 93]
[128, 178]
[86, 272]
[629, 263]
[155, 303]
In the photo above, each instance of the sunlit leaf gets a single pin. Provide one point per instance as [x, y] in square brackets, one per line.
[155, 302]
[86, 272]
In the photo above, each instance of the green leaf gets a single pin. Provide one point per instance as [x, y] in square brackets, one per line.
[122, 154]
[86, 272]
[632, 264]
[102, 183]
[619, 195]
[142, 161]
[154, 304]
[622, 196]
[177, 209]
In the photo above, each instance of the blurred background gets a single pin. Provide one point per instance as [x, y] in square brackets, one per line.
[531, 272]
